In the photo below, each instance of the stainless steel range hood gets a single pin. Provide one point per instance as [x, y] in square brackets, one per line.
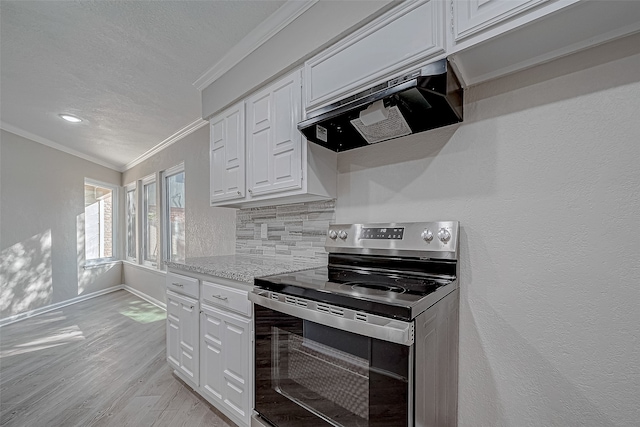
[424, 99]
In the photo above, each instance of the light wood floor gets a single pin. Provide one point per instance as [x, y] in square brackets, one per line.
[100, 362]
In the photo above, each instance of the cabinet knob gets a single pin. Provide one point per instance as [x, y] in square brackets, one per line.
[238, 193]
[249, 190]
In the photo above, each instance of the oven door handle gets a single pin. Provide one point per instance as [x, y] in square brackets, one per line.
[361, 323]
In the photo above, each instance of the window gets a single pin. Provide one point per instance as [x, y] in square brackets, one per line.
[150, 222]
[132, 237]
[174, 213]
[99, 220]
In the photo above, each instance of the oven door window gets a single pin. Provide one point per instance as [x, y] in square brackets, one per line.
[311, 375]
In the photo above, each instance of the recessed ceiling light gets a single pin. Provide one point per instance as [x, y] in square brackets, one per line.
[70, 118]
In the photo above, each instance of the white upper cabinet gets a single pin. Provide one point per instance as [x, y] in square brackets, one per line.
[491, 38]
[409, 34]
[258, 156]
[227, 155]
[273, 141]
[474, 16]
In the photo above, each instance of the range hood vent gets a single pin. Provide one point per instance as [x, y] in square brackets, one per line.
[424, 99]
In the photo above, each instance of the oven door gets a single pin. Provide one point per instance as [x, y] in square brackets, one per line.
[308, 374]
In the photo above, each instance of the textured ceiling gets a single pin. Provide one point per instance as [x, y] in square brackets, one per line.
[126, 67]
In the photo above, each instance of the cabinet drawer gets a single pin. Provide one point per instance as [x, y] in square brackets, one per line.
[183, 285]
[226, 297]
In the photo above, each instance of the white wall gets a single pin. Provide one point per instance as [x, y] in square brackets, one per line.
[209, 231]
[544, 175]
[41, 232]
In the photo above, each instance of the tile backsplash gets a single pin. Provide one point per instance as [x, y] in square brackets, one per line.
[295, 231]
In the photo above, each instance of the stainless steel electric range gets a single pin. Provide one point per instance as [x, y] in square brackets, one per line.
[369, 340]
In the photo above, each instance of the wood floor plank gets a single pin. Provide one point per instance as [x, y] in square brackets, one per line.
[100, 362]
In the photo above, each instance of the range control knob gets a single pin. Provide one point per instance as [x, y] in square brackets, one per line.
[444, 235]
[427, 235]
[342, 234]
[333, 235]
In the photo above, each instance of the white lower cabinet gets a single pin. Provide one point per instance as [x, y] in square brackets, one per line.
[182, 335]
[225, 375]
[210, 341]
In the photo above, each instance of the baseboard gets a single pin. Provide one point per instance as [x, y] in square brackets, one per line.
[145, 297]
[27, 314]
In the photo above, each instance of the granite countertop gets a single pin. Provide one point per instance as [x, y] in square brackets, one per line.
[243, 268]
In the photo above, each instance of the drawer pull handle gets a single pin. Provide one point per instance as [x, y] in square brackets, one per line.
[220, 297]
[178, 284]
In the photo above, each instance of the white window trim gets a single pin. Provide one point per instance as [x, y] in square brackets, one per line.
[115, 195]
[143, 238]
[133, 186]
[166, 223]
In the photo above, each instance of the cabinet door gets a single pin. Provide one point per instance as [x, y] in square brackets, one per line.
[410, 33]
[182, 335]
[237, 366]
[211, 380]
[274, 150]
[226, 371]
[227, 161]
[173, 332]
[474, 16]
[189, 342]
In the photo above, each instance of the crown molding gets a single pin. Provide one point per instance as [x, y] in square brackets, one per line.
[164, 144]
[190, 128]
[282, 17]
[55, 145]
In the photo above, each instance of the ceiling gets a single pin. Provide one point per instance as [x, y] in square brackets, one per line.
[127, 68]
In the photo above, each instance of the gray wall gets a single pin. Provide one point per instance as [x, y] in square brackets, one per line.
[41, 227]
[544, 176]
[324, 23]
[209, 231]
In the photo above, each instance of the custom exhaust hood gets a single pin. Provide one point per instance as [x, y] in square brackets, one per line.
[424, 99]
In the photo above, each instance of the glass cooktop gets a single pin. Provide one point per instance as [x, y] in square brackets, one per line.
[386, 294]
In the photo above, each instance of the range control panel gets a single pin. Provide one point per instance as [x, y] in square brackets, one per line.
[383, 233]
[425, 239]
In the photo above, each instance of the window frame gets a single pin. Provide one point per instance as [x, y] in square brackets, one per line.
[133, 186]
[166, 225]
[144, 182]
[115, 197]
